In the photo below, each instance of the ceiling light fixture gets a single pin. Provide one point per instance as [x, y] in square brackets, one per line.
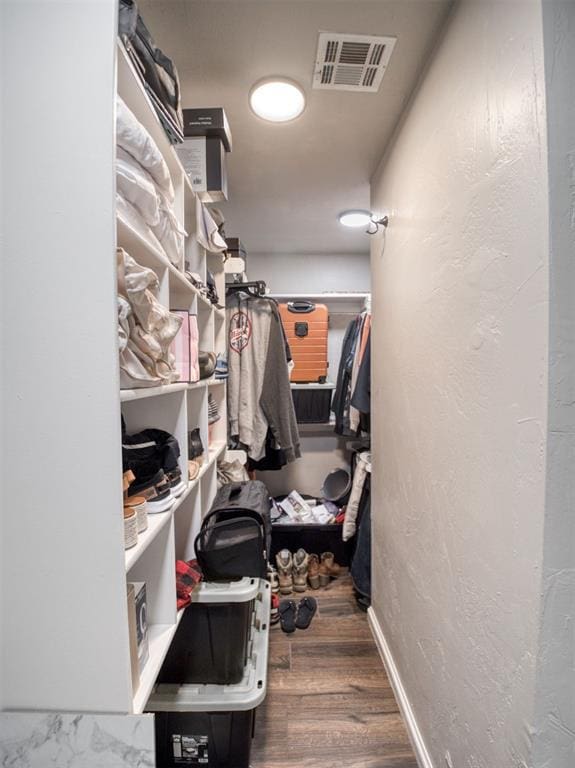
[354, 218]
[277, 99]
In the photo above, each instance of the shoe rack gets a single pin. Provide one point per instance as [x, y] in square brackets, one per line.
[176, 408]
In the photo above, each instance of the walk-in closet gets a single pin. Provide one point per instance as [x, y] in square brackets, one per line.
[287, 384]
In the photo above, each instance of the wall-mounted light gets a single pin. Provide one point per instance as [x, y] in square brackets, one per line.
[354, 218]
[277, 99]
[360, 218]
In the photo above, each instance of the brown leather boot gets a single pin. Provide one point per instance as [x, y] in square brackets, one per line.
[328, 569]
[300, 569]
[313, 571]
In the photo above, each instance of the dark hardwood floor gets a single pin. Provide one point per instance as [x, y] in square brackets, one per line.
[329, 702]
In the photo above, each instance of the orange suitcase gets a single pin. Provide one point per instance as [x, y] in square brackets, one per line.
[306, 327]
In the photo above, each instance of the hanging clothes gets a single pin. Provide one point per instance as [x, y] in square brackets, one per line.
[347, 416]
[260, 406]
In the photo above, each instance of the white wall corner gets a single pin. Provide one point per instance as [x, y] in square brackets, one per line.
[415, 736]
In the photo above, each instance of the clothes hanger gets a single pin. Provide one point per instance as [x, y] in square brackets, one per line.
[255, 289]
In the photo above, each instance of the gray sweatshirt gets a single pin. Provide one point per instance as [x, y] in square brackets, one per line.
[248, 323]
[259, 394]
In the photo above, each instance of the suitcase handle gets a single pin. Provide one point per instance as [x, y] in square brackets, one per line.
[301, 307]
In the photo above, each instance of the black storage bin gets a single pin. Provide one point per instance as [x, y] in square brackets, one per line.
[212, 641]
[312, 404]
[213, 725]
[209, 739]
[314, 539]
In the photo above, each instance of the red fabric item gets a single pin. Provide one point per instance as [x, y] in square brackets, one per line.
[188, 576]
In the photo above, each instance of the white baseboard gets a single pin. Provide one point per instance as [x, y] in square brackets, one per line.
[417, 742]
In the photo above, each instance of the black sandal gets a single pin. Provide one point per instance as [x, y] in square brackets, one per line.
[305, 612]
[287, 615]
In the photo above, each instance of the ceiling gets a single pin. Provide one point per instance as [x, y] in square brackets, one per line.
[287, 183]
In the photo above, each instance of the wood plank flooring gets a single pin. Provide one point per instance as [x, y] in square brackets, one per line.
[329, 702]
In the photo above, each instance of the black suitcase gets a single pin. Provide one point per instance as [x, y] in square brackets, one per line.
[235, 537]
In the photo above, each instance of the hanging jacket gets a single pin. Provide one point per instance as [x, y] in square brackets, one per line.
[259, 394]
[341, 399]
[248, 322]
[276, 399]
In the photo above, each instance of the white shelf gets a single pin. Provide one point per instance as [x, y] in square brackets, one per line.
[148, 255]
[216, 382]
[327, 297]
[140, 394]
[159, 639]
[156, 523]
[134, 94]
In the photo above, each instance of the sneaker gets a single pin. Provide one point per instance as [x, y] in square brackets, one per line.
[155, 489]
[328, 569]
[275, 609]
[284, 566]
[213, 410]
[273, 580]
[221, 367]
[300, 567]
[313, 571]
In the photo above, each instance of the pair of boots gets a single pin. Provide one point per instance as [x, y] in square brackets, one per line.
[295, 571]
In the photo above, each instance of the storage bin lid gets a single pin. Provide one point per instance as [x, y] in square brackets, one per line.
[247, 694]
[226, 591]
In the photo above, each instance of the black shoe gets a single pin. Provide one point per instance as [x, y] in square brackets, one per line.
[155, 488]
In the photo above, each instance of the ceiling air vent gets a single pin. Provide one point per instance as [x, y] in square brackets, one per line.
[351, 62]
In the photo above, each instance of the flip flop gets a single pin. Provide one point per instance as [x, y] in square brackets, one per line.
[305, 612]
[287, 615]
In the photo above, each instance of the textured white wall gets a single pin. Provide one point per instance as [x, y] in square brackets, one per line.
[460, 388]
[555, 716]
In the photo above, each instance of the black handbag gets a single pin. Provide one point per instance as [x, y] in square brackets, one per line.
[158, 73]
[235, 536]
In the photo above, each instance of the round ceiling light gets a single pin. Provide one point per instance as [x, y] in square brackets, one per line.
[277, 100]
[354, 218]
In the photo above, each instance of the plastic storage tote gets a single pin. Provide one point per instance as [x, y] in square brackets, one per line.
[212, 642]
[213, 725]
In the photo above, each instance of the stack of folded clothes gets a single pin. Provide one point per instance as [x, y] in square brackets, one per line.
[144, 190]
[146, 327]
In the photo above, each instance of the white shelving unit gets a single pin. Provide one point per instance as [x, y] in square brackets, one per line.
[65, 640]
[177, 408]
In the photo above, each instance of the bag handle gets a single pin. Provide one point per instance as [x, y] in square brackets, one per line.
[301, 307]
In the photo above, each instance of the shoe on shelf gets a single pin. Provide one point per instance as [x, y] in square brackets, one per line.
[313, 571]
[177, 484]
[221, 367]
[213, 410]
[273, 579]
[195, 446]
[155, 489]
[300, 568]
[328, 568]
[284, 566]
[193, 469]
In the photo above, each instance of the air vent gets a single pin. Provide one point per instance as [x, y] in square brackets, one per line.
[351, 62]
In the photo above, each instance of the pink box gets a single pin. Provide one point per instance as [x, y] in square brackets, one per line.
[181, 346]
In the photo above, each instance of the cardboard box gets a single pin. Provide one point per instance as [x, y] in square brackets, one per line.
[204, 161]
[140, 602]
[133, 638]
[208, 121]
